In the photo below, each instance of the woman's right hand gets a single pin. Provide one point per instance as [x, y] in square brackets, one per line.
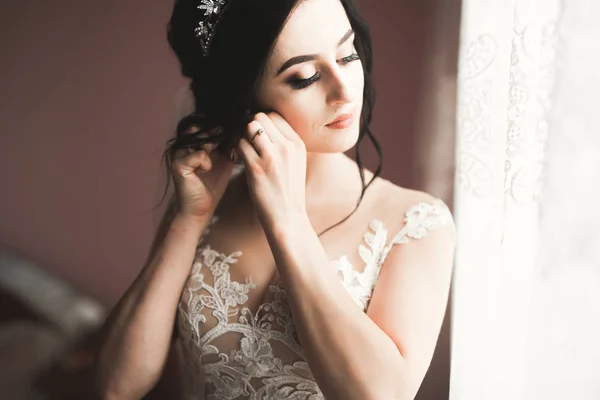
[201, 178]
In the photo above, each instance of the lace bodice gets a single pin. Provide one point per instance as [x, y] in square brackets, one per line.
[230, 352]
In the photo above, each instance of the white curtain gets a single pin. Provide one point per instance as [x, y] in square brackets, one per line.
[526, 294]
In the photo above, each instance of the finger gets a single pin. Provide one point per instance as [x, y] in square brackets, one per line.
[282, 126]
[258, 137]
[195, 161]
[247, 152]
[272, 130]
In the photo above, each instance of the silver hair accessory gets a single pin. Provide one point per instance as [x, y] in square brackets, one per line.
[213, 11]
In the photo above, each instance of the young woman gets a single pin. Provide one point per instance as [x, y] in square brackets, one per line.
[263, 304]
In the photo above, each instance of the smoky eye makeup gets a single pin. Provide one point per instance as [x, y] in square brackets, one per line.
[301, 83]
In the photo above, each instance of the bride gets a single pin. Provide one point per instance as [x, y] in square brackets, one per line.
[282, 269]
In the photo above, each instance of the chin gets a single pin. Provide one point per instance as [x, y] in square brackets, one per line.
[335, 140]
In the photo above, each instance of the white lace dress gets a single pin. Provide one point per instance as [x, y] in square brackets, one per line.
[229, 352]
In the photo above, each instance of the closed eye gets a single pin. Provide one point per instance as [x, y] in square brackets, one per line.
[350, 58]
[298, 84]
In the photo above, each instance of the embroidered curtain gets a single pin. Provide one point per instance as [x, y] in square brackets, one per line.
[526, 294]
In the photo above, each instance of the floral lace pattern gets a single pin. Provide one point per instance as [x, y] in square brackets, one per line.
[232, 354]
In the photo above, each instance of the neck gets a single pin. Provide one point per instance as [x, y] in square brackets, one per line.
[331, 177]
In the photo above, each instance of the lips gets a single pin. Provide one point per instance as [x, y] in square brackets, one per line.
[343, 120]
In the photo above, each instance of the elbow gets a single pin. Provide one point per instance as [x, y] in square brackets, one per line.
[393, 387]
[104, 392]
[396, 390]
[384, 393]
[104, 389]
[387, 393]
[107, 392]
[108, 385]
[109, 396]
[119, 390]
[123, 378]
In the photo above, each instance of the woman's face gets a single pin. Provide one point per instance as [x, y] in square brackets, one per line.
[314, 77]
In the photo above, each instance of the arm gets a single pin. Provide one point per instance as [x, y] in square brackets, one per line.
[137, 334]
[385, 353]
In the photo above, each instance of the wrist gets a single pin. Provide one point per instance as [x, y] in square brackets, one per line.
[194, 223]
[293, 225]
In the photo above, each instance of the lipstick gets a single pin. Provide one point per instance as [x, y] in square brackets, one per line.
[344, 121]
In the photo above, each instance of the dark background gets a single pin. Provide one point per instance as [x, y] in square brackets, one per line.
[87, 103]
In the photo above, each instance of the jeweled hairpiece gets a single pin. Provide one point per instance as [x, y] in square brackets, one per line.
[213, 11]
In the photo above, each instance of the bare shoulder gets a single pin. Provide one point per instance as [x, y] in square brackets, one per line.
[395, 200]
[413, 212]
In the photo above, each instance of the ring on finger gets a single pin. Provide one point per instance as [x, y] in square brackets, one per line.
[258, 132]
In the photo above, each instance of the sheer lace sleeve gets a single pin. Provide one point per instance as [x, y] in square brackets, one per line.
[419, 220]
[410, 298]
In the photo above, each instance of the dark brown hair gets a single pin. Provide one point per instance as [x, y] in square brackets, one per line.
[223, 83]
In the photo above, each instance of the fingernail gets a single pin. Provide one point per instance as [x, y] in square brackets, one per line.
[233, 155]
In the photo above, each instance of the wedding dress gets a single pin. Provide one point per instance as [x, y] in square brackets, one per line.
[232, 351]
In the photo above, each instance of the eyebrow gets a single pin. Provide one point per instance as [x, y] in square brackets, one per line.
[310, 57]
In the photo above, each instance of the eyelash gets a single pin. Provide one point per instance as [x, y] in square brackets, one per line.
[304, 83]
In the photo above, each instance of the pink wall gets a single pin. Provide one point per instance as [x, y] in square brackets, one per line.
[86, 100]
[86, 107]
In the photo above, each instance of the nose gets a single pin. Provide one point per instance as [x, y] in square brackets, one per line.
[339, 89]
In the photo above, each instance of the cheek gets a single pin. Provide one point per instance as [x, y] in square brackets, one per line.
[294, 108]
[358, 77]
[301, 112]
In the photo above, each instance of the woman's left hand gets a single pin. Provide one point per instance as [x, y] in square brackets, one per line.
[275, 161]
